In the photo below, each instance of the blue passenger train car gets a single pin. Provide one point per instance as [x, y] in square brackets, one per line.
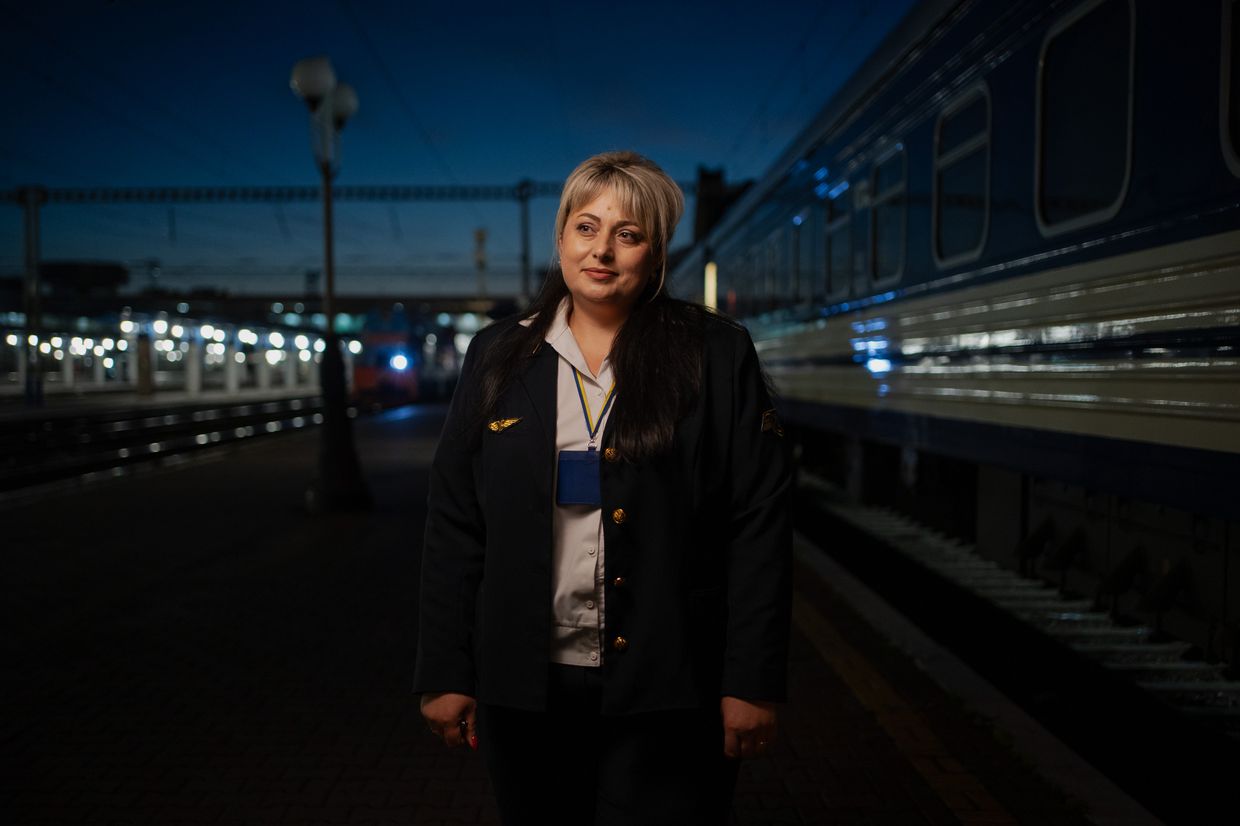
[997, 283]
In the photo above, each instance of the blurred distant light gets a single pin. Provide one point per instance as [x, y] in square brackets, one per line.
[878, 366]
[155, 447]
[305, 355]
[108, 344]
[837, 190]
[122, 345]
[182, 307]
[292, 319]
[273, 357]
[178, 330]
[821, 174]
[247, 336]
[275, 338]
[11, 340]
[206, 331]
[797, 220]
[127, 326]
[59, 355]
[88, 343]
[301, 342]
[444, 319]
[98, 350]
[299, 307]
[399, 362]
[239, 358]
[277, 307]
[202, 438]
[461, 341]
[45, 348]
[319, 345]
[220, 335]
[32, 340]
[432, 339]
[160, 327]
[109, 362]
[355, 347]
[58, 342]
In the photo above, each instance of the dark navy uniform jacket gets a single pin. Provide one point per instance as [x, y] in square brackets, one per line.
[698, 563]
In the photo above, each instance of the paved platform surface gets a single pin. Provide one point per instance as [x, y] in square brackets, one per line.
[189, 646]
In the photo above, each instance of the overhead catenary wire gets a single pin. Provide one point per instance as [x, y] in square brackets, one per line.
[861, 11]
[394, 88]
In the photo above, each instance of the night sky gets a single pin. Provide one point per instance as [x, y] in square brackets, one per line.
[152, 92]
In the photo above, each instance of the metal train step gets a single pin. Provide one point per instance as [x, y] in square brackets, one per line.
[1128, 651]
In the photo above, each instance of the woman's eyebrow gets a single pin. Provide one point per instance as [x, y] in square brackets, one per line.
[595, 218]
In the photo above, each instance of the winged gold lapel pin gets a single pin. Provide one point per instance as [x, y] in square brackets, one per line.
[502, 424]
[770, 421]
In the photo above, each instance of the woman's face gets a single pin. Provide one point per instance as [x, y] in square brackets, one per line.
[606, 258]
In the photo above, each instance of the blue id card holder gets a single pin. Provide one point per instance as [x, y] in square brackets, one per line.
[577, 481]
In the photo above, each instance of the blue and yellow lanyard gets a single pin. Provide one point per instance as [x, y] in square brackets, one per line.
[592, 424]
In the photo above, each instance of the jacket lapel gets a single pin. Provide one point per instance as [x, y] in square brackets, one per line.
[539, 383]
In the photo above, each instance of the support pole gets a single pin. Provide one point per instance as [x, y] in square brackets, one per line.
[340, 484]
[525, 189]
[31, 198]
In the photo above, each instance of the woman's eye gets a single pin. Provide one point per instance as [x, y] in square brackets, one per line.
[629, 235]
[585, 229]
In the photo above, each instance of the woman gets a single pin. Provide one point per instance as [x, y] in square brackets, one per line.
[606, 573]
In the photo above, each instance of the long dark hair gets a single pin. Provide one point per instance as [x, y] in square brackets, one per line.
[656, 357]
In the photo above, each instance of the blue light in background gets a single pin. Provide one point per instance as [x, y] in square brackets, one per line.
[798, 220]
[838, 190]
[878, 366]
[821, 174]
[822, 190]
[399, 362]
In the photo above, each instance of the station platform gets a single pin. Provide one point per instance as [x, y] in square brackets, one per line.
[188, 645]
[13, 405]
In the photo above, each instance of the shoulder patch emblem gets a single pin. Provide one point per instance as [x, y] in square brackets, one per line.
[770, 421]
[502, 424]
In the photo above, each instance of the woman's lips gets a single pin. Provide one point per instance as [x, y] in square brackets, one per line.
[600, 275]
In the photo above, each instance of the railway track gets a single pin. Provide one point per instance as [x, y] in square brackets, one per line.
[65, 446]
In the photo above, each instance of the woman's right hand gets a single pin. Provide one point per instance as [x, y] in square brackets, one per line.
[451, 718]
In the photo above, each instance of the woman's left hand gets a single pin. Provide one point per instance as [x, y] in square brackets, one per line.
[748, 726]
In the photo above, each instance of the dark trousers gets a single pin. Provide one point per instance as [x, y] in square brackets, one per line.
[573, 765]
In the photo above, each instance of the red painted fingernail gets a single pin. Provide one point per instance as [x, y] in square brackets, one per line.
[473, 742]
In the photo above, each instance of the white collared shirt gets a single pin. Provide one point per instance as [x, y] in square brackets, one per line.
[577, 530]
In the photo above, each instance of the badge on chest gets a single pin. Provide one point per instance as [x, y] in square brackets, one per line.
[577, 478]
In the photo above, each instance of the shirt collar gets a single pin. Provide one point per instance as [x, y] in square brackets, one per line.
[561, 338]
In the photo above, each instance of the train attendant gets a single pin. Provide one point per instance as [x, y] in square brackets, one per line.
[606, 583]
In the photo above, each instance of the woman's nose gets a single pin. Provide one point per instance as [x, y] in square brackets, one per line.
[602, 248]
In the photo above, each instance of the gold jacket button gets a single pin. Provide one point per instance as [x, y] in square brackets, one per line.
[619, 582]
[618, 516]
[611, 454]
[620, 644]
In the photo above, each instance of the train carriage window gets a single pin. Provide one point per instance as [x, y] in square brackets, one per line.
[805, 231]
[839, 240]
[887, 218]
[1229, 121]
[1085, 116]
[962, 179]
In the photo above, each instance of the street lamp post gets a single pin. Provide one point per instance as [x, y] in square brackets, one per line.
[339, 485]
